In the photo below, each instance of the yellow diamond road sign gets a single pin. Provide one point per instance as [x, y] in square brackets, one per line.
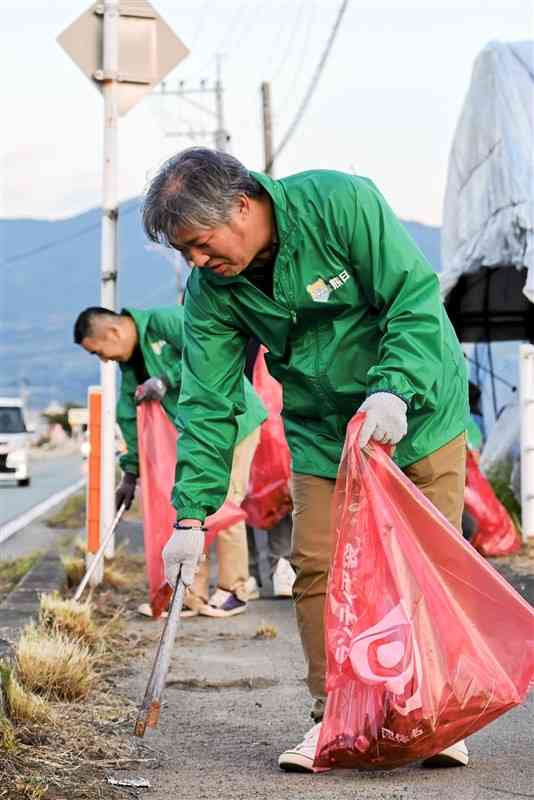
[148, 49]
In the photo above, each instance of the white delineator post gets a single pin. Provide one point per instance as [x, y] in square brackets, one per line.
[526, 404]
[109, 252]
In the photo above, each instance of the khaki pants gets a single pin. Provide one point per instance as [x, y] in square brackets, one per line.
[231, 544]
[441, 478]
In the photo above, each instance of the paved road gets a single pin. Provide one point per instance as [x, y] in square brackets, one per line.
[234, 702]
[48, 475]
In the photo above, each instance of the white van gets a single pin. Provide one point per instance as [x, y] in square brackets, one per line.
[14, 442]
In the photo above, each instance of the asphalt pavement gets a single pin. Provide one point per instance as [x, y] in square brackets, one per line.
[234, 702]
[50, 473]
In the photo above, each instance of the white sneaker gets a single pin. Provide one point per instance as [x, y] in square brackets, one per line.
[457, 755]
[252, 588]
[145, 610]
[283, 579]
[301, 757]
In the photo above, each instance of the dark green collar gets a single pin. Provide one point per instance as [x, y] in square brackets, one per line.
[285, 223]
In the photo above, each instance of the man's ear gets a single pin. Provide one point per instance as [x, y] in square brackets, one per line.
[244, 206]
[114, 330]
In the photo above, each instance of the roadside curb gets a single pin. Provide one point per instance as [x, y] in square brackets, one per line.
[22, 604]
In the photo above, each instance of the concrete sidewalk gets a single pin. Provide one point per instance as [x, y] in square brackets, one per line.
[234, 702]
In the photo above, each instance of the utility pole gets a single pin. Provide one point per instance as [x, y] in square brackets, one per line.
[215, 109]
[221, 136]
[267, 128]
[109, 251]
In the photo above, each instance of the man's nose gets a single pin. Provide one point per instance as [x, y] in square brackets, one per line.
[197, 258]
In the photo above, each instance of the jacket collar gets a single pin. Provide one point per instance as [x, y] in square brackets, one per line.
[285, 223]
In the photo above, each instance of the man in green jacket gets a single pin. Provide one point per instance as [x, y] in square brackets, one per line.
[320, 270]
[148, 345]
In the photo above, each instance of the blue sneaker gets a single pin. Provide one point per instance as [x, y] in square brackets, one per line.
[223, 604]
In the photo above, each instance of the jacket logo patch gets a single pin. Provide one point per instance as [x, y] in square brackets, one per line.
[321, 290]
[157, 347]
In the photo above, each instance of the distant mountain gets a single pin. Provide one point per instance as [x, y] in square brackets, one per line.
[42, 293]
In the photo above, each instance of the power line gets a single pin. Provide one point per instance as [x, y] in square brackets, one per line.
[303, 51]
[289, 43]
[314, 81]
[57, 242]
[224, 41]
[490, 371]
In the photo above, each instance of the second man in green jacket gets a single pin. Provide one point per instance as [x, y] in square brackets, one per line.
[148, 346]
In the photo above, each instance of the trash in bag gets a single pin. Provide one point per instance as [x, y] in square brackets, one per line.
[157, 439]
[268, 499]
[426, 642]
[495, 533]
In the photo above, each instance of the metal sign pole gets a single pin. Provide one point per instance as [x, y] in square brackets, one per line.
[124, 56]
[109, 263]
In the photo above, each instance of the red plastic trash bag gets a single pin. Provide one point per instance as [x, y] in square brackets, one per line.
[496, 534]
[157, 439]
[426, 643]
[269, 497]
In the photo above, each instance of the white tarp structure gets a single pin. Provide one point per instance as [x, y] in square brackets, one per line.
[488, 218]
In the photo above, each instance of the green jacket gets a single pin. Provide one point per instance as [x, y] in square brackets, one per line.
[356, 310]
[161, 338]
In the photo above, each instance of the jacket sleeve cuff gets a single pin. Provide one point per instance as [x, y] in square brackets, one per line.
[129, 466]
[404, 399]
[396, 384]
[190, 512]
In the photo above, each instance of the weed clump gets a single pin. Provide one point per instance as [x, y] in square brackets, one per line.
[70, 617]
[20, 704]
[70, 515]
[51, 663]
[7, 735]
[74, 570]
[266, 631]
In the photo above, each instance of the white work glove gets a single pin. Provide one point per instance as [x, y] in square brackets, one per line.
[385, 419]
[183, 552]
[152, 389]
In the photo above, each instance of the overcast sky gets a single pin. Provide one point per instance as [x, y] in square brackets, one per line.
[386, 106]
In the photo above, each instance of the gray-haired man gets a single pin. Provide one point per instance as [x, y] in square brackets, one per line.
[319, 269]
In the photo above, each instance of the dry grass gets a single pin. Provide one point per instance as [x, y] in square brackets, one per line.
[74, 570]
[20, 704]
[69, 760]
[32, 789]
[50, 663]
[121, 572]
[115, 578]
[70, 617]
[266, 631]
[7, 736]
[80, 547]
[70, 515]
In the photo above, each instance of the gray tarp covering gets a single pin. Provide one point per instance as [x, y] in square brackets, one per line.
[488, 217]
